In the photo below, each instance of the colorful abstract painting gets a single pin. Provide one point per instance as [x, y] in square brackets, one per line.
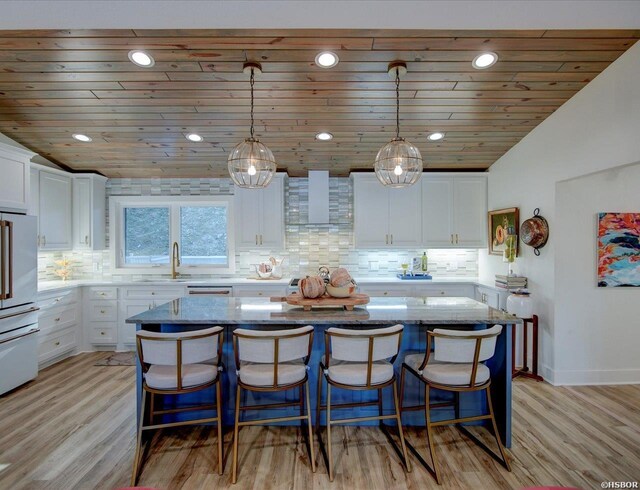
[619, 249]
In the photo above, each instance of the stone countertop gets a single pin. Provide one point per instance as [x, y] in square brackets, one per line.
[380, 311]
[241, 281]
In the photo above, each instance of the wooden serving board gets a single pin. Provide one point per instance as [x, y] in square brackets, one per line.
[296, 299]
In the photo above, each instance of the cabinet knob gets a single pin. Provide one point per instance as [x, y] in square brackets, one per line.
[86, 239]
[442, 293]
[101, 333]
[102, 311]
[386, 292]
[58, 342]
[103, 294]
[153, 293]
[44, 241]
[392, 239]
[57, 319]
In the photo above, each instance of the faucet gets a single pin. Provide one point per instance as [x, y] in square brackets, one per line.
[175, 260]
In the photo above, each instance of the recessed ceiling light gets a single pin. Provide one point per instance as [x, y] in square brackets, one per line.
[484, 60]
[194, 137]
[141, 58]
[82, 137]
[327, 59]
[324, 136]
[435, 136]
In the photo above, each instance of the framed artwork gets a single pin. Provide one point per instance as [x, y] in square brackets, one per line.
[502, 222]
[618, 250]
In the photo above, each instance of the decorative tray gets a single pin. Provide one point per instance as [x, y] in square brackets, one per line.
[414, 277]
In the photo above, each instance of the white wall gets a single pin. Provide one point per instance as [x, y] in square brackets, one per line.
[596, 327]
[597, 129]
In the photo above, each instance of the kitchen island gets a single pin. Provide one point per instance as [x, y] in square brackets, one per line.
[417, 314]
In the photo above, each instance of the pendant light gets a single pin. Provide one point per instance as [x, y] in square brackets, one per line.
[251, 164]
[398, 163]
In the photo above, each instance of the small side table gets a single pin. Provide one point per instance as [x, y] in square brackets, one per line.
[524, 370]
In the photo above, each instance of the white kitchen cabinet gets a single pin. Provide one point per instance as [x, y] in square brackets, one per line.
[262, 291]
[14, 184]
[454, 211]
[444, 290]
[89, 212]
[385, 217]
[54, 211]
[470, 211]
[135, 300]
[393, 290]
[488, 297]
[259, 216]
[59, 320]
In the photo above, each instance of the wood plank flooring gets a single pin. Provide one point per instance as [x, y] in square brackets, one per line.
[73, 428]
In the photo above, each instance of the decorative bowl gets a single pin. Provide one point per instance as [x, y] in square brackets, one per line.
[341, 292]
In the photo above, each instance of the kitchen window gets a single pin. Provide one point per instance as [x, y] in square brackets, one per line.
[145, 228]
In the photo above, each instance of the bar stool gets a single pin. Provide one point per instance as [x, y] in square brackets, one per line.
[359, 360]
[272, 361]
[456, 365]
[176, 364]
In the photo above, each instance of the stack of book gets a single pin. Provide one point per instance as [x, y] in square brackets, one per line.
[511, 282]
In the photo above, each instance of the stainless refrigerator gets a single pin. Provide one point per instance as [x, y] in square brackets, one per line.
[18, 310]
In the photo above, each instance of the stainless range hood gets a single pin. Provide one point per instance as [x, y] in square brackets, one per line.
[318, 196]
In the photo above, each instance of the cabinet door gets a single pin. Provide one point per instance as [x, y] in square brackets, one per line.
[437, 211]
[127, 334]
[249, 212]
[272, 215]
[82, 209]
[405, 222]
[371, 213]
[55, 211]
[470, 211]
[14, 185]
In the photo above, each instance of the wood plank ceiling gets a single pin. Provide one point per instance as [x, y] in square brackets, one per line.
[56, 83]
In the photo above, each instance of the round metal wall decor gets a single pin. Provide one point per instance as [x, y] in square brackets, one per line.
[535, 232]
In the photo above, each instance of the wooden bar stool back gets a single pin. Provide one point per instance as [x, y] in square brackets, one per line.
[456, 365]
[359, 360]
[176, 364]
[272, 361]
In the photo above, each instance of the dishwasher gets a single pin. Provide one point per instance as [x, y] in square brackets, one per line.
[210, 291]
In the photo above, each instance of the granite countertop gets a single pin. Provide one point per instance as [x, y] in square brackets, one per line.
[380, 311]
[240, 281]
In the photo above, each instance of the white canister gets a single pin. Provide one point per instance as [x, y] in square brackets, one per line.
[520, 304]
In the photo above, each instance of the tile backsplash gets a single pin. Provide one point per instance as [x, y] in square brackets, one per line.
[308, 246]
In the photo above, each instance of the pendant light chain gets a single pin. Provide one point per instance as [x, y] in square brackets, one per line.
[397, 103]
[251, 81]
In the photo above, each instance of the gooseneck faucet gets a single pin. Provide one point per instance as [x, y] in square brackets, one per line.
[175, 260]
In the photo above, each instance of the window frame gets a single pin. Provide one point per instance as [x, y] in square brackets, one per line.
[117, 204]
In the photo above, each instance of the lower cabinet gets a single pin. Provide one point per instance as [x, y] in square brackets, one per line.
[384, 290]
[491, 297]
[266, 291]
[101, 315]
[136, 299]
[59, 322]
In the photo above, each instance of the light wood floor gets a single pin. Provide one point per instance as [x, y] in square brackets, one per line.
[74, 428]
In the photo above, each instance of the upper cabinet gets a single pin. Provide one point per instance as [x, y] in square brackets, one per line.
[385, 217]
[14, 184]
[454, 211]
[440, 211]
[89, 211]
[54, 209]
[259, 216]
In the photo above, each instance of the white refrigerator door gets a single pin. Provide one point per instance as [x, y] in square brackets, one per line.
[19, 249]
[18, 357]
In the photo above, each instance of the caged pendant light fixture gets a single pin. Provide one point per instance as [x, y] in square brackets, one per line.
[398, 163]
[251, 164]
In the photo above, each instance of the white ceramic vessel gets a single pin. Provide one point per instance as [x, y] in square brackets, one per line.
[520, 305]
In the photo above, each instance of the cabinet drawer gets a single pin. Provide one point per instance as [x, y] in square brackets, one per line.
[262, 292]
[153, 293]
[57, 298]
[461, 290]
[385, 290]
[103, 293]
[58, 317]
[103, 311]
[103, 333]
[55, 344]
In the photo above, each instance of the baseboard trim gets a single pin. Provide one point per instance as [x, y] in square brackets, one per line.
[591, 377]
